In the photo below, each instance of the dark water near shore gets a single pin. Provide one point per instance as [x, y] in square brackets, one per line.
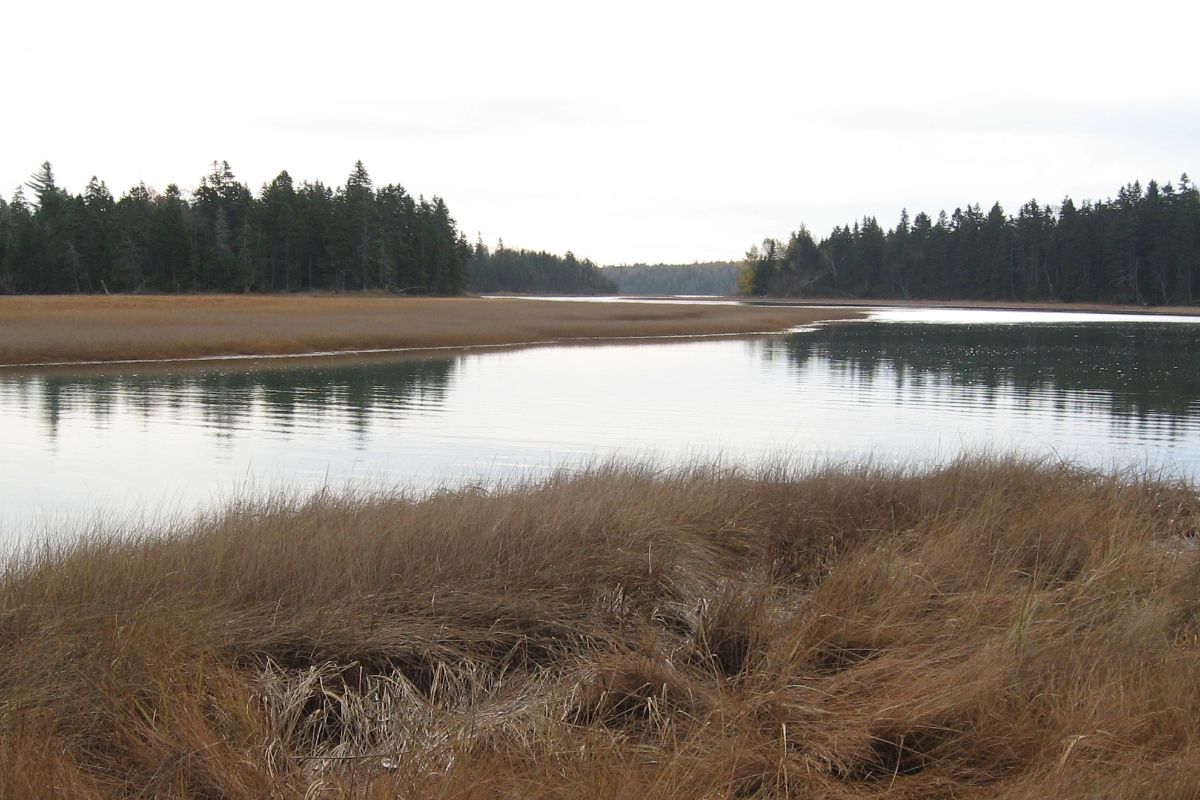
[912, 386]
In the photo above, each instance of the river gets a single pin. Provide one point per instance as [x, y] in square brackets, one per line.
[908, 386]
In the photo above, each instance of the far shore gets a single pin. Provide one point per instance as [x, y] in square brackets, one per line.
[89, 329]
[996, 305]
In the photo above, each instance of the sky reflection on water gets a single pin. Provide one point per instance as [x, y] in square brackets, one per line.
[79, 444]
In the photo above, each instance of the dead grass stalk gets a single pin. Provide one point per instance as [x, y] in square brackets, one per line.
[49, 329]
[989, 629]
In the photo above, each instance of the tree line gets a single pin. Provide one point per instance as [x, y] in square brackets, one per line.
[709, 278]
[516, 270]
[222, 237]
[1143, 247]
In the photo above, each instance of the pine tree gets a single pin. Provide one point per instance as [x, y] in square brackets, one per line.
[99, 235]
[57, 265]
[222, 206]
[172, 257]
[274, 223]
[356, 251]
[43, 185]
[134, 265]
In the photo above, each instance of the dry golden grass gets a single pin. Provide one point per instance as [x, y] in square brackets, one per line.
[991, 629]
[41, 329]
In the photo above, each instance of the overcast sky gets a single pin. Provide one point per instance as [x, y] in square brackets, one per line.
[623, 131]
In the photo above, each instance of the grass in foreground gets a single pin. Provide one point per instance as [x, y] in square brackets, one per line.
[39, 329]
[991, 629]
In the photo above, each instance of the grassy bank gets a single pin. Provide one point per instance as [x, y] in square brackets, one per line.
[40, 329]
[992, 629]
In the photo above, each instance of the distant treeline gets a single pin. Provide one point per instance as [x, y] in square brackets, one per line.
[712, 278]
[1143, 248]
[505, 270]
[223, 238]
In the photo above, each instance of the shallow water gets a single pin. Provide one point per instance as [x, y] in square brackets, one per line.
[909, 386]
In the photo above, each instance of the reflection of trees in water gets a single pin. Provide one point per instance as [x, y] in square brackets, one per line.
[1143, 373]
[225, 398]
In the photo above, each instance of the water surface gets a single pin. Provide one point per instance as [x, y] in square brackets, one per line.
[909, 386]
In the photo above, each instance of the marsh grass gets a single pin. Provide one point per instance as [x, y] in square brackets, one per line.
[40, 330]
[992, 628]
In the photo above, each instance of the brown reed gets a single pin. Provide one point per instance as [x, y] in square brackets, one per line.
[47, 329]
[992, 628]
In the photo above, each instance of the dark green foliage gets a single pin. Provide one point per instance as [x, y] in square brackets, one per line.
[1138, 381]
[223, 238]
[1141, 248]
[21, 245]
[505, 270]
[711, 278]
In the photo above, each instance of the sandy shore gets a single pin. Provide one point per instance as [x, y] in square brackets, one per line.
[55, 329]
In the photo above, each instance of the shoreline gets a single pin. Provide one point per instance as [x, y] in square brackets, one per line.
[341, 356]
[981, 305]
[40, 332]
[70, 331]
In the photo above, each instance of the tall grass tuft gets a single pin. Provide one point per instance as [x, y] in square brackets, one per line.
[992, 628]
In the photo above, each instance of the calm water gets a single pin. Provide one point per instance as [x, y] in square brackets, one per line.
[909, 386]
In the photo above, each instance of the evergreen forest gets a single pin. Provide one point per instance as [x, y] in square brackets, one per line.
[223, 238]
[1143, 247]
[708, 278]
[535, 272]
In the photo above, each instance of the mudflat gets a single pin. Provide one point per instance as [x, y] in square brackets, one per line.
[54, 329]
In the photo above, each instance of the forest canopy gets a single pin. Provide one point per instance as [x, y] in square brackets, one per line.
[222, 237]
[537, 272]
[708, 278]
[291, 236]
[1143, 247]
